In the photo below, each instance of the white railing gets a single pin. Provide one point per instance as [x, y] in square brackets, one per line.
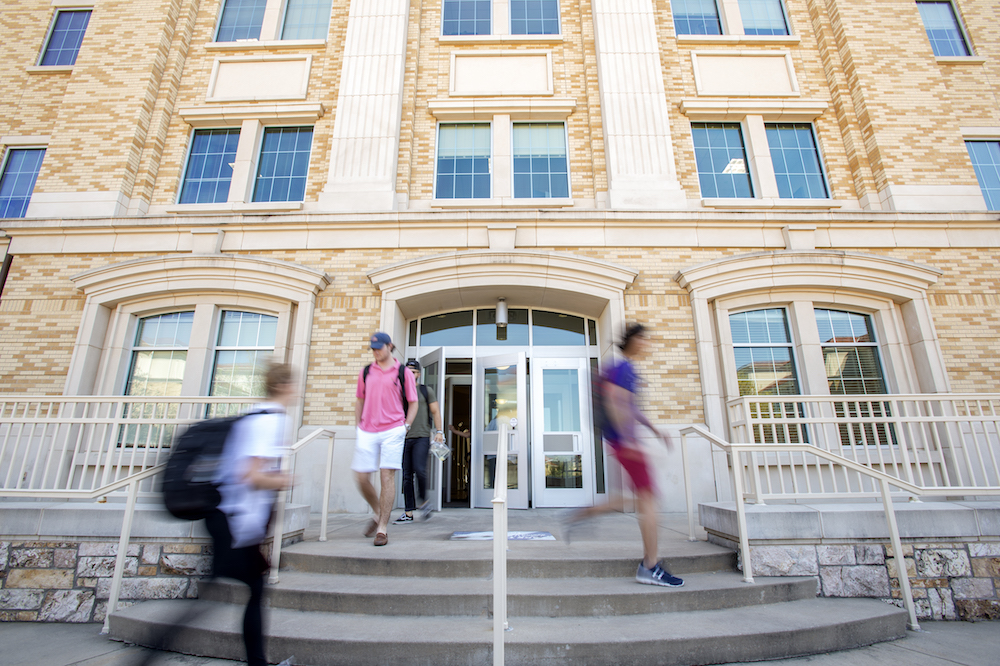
[85, 448]
[500, 545]
[931, 441]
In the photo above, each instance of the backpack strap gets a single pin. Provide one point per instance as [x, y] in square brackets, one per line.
[427, 401]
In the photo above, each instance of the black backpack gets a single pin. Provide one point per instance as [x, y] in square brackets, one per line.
[402, 392]
[189, 489]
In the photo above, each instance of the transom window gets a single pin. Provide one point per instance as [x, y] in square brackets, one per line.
[466, 17]
[796, 161]
[541, 168]
[943, 29]
[722, 160]
[763, 17]
[18, 180]
[525, 327]
[985, 156]
[209, 169]
[65, 37]
[463, 162]
[534, 17]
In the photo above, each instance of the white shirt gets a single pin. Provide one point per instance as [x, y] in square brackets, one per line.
[247, 508]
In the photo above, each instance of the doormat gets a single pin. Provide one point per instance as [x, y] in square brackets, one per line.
[511, 536]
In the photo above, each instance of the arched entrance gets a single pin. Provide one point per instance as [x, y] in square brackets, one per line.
[562, 314]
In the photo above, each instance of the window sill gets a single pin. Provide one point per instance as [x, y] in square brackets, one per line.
[257, 207]
[769, 40]
[499, 39]
[268, 45]
[502, 202]
[960, 60]
[49, 69]
[737, 202]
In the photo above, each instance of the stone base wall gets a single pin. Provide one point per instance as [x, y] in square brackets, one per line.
[60, 581]
[949, 581]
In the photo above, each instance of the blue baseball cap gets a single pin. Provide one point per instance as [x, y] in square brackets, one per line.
[380, 340]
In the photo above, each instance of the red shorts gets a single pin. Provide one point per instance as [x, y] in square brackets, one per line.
[633, 460]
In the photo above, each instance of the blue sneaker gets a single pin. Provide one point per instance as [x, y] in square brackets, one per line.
[656, 576]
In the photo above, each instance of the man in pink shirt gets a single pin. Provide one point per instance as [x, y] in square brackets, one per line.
[381, 428]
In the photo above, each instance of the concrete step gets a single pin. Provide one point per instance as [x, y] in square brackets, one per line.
[749, 633]
[551, 597]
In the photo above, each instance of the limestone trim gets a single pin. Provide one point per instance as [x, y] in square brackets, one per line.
[735, 109]
[742, 40]
[49, 69]
[482, 109]
[217, 115]
[500, 39]
[39, 141]
[120, 293]
[980, 132]
[266, 45]
[960, 60]
[257, 77]
[563, 281]
[490, 67]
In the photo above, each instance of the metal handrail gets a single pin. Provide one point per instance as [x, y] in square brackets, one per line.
[885, 481]
[499, 502]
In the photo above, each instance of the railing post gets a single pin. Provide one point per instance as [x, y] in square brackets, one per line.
[279, 534]
[688, 495]
[116, 580]
[326, 486]
[500, 546]
[741, 515]
[897, 550]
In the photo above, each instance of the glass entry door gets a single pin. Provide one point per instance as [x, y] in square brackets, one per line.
[433, 377]
[562, 459]
[500, 396]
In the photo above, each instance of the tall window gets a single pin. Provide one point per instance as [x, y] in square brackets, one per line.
[534, 17]
[943, 29]
[159, 355]
[696, 17]
[541, 168]
[65, 37]
[18, 180]
[985, 157]
[722, 160]
[763, 17]
[241, 20]
[463, 162]
[306, 19]
[244, 346]
[466, 17]
[283, 164]
[796, 161]
[209, 167]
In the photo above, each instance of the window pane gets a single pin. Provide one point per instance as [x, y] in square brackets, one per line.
[850, 353]
[796, 161]
[942, 29]
[169, 330]
[762, 346]
[985, 157]
[763, 17]
[696, 17]
[540, 161]
[159, 372]
[517, 327]
[209, 170]
[306, 19]
[721, 160]
[283, 164]
[241, 19]
[240, 371]
[534, 17]
[555, 328]
[463, 162]
[66, 37]
[452, 328]
[18, 180]
[466, 17]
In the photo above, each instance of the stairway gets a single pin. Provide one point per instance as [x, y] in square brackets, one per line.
[426, 600]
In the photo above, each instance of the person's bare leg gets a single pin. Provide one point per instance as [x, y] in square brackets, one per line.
[386, 498]
[646, 505]
[364, 480]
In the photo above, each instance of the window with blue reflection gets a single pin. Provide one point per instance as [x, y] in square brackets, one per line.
[451, 328]
[762, 347]
[283, 164]
[466, 17]
[306, 19]
[541, 169]
[209, 167]
[985, 157]
[517, 327]
[556, 328]
[18, 180]
[763, 17]
[696, 17]
[241, 19]
[66, 37]
[943, 29]
[463, 162]
[245, 346]
[722, 160]
[796, 161]
[534, 17]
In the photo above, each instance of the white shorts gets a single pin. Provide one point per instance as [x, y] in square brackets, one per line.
[378, 450]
